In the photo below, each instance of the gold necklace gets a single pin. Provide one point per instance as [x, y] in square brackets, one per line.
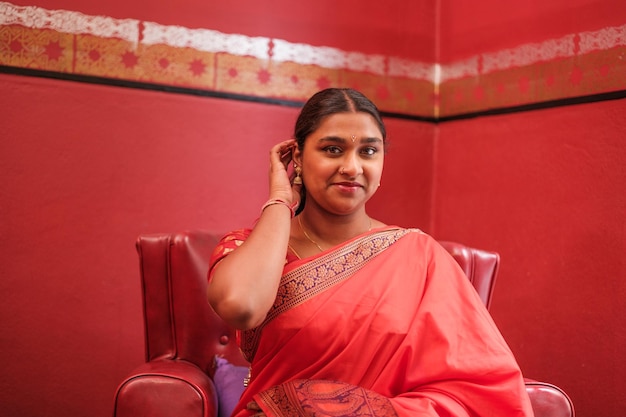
[314, 242]
[307, 235]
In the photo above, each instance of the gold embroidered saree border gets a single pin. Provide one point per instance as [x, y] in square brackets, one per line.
[326, 271]
[321, 397]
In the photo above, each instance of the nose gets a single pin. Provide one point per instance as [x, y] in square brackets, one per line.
[351, 165]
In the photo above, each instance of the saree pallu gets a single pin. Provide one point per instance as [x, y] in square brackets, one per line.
[386, 324]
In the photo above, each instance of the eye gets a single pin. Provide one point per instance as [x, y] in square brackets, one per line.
[369, 151]
[332, 149]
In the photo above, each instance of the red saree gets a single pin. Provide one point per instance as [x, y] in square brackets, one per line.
[385, 324]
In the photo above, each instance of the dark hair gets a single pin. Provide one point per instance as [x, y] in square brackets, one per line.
[326, 103]
[331, 101]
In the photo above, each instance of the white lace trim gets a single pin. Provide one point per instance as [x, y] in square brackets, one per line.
[528, 54]
[399, 67]
[602, 39]
[327, 57]
[205, 40]
[69, 22]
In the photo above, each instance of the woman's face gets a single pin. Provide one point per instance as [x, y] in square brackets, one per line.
[342, 162]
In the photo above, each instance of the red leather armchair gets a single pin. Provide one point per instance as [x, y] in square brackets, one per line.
[183, 334]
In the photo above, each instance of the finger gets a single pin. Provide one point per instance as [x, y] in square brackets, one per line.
[284, 147]
[287, 150]
[282, 152]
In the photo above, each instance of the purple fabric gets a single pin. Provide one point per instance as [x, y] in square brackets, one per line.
[228, 380]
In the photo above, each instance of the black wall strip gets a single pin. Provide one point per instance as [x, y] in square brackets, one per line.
[592, 98]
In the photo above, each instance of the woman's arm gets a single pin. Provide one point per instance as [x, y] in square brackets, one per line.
[243, 285]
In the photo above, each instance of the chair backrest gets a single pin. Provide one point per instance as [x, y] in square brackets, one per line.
[480, 266]
[179, 322]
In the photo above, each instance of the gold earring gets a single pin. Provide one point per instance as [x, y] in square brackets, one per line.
[298, 179]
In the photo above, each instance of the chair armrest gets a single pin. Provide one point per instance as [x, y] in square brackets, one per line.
[166, 387]
[548, 400]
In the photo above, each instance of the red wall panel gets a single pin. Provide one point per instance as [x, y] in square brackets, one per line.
[88, 168]
[85, 170]
[546, 190]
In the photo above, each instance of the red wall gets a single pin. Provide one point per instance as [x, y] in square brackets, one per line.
[88, 168]
[546, 189]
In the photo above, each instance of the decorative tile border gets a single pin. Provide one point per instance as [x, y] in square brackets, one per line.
[147, 52]
[576, 65]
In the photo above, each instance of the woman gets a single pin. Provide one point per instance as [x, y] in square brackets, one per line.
[342, 315]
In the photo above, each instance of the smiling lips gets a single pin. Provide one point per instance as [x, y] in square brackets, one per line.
[348, 186]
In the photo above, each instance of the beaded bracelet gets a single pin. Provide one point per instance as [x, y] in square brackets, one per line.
[272, 201]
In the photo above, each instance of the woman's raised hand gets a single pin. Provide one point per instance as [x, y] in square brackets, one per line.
[244, 284]
[280, 184]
